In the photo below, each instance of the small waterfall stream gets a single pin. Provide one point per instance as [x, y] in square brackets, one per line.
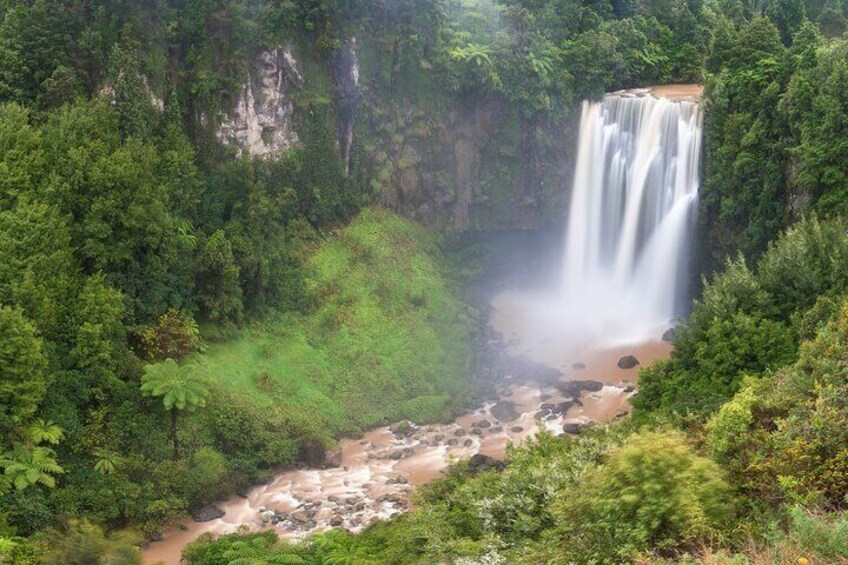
[630, 221]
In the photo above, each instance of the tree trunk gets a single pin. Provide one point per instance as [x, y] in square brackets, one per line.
[174, 434]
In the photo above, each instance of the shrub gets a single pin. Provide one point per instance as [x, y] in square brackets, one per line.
[654, 493]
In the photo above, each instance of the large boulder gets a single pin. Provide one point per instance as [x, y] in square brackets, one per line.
[313, 454]
[208, 513]
[574, 389]
[627, 362]
[573, 428]
[333, 458]
[480, 462]
[504, 411]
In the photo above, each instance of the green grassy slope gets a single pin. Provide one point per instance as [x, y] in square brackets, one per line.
[387, 340]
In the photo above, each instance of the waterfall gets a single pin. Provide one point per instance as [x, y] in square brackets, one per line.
[630, 220]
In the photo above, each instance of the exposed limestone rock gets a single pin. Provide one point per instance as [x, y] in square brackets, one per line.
[261, 122]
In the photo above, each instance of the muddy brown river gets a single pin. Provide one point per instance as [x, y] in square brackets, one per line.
[379, 470]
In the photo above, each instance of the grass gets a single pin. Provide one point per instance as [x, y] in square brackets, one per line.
[387, 340]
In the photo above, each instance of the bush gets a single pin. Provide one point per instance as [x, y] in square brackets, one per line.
[654, 494]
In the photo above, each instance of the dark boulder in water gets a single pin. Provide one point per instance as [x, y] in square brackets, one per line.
[208, 513]
[574, 389]
[573, 428]
[504, 411]
[627, 362]
[480, 462]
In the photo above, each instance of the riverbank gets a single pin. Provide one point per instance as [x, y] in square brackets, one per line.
[378, 471]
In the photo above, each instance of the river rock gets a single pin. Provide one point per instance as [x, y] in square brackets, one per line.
[629, 389]
[563, 407]
[299, 517]
[483, 424]
[516, 429]
[573, 428]
[547, 406]
[574, 389]
[208, 513]
[504, 411]
[333, 458]
[396, 455]
[453, 441]
[459, 433]
[336, 521]
[627, 362]
[480, 462]
[468, 443]
[313, 454]
[158, 536]
[402, 429]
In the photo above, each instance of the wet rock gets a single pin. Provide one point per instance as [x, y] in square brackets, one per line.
[578, 366]
[574, 428]
[396, 455]
[183, 527]
[516, 429]
[483, 424]
[333, 458]
[574, 389]
[459, 433]
[552, 417]
[453, 441]
[504, 411]
[312, 453]
[497, 429]
[267, 516]
[408, 452]
[477, 432]
[208, 513]
[402, 429]
[480, 462]
[629, 389]
[402, 480]
[627, 362]
[299, 517]
[543, 414]
[547, 406]
[669, 334]
[563, 407]
[336, 521]
[158, 536]
[144, 545]
[468, 443]
[439, 437]
[621, 414]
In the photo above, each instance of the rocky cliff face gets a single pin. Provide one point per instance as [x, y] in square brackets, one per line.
[458, 165]
[261, 122]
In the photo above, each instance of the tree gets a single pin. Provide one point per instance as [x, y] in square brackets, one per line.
[180, 387]
[219, 292]
[23, 371]
[27, 466]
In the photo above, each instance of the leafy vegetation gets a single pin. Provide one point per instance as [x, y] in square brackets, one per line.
[176, 318]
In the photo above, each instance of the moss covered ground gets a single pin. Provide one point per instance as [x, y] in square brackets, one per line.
[387, 339]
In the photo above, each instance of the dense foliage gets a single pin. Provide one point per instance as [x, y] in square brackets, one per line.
[144, 265]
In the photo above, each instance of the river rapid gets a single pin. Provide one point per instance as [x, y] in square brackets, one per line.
[379, 470]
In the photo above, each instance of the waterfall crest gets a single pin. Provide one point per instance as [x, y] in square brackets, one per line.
[630, 219]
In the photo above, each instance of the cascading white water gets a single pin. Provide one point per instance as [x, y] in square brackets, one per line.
[629, 226]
